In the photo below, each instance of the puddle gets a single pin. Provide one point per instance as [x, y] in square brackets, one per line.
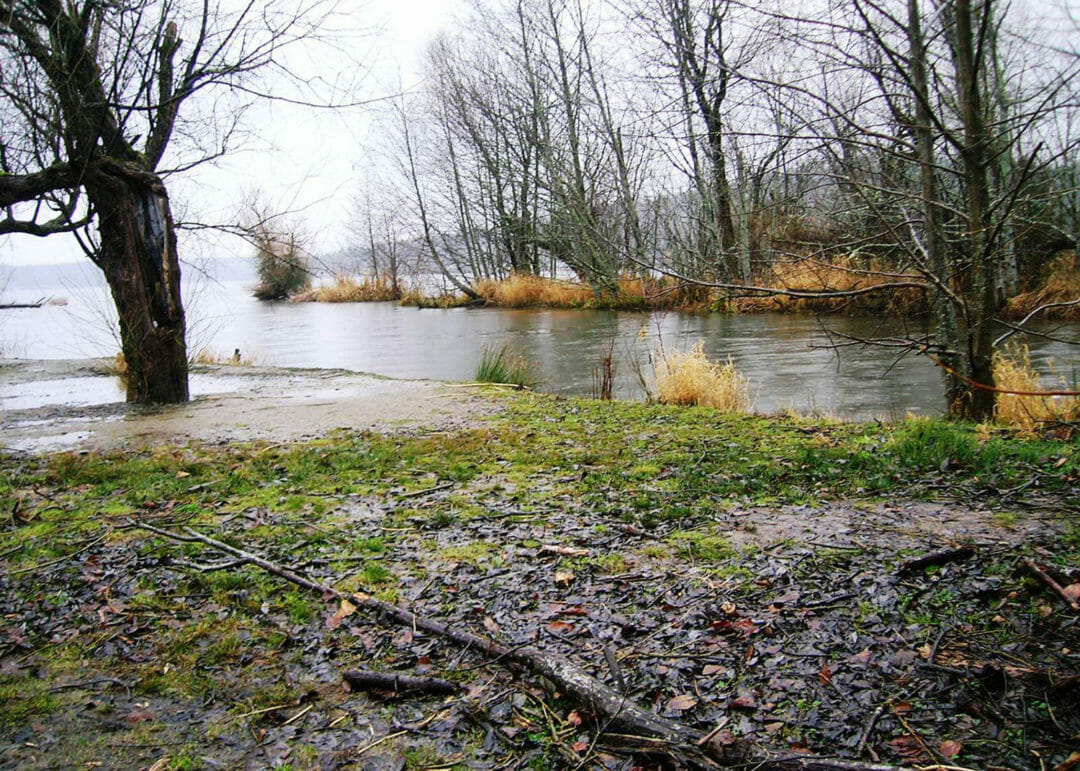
[101, 389]
[51, 443]
[70, 392]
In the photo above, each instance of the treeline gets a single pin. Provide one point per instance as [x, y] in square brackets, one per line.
[712, 140]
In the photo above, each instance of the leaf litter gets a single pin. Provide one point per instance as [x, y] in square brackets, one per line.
[789, 626]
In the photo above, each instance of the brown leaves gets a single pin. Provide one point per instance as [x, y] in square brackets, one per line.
[681, 702]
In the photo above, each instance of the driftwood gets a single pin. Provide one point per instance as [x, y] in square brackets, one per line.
[1048, 579]
[617, 714]
[361, 679]
[937, 558]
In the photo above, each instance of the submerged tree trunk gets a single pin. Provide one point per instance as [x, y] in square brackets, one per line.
[137, 253]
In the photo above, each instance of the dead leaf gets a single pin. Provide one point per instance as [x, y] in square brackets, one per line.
[1072, 762]
[824, 675]
[681, 703]
[743, 702]
[949, 749]
[138, 714]
[863, 656]
[901, 708]
[579, 747]
[161, 764]
[728, 608]
[712, 669]
[908, 747]
[1072, 592]
[574, 718]
[182, 475]
[491, 625]
[560, 627]
[564, 577]
[345, 610]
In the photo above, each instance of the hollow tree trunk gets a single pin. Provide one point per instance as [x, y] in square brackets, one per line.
[137, 253]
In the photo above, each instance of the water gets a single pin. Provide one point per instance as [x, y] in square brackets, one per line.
[787, 358]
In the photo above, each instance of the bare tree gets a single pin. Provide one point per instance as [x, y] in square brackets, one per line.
[94, 96]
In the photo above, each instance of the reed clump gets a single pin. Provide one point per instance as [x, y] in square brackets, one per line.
[521, 290]
[691, 378]
[504, 366]
[841, 274]
[1013, 371]
[350, 289]
[1062, 285]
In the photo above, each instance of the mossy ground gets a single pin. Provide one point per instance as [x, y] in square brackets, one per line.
[115, 649]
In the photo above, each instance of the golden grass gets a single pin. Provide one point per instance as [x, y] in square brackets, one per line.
[1013, 372]
[207, 355]
[690, 378]
[842, 274]
[347, 289]
[524, 291]
[1062, 285]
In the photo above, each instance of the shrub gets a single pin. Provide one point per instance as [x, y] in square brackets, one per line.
[501, 365]
[281, 264]
[692, 378]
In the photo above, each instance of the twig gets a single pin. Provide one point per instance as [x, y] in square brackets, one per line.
[1047, 579]
[298, 715]
[428, 491]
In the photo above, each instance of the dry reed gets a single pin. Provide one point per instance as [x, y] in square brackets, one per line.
[209, 355]
[1013, 372]
[347, 289]
[1062, 285]
[524, 291]
[842, 274]
[690, 378]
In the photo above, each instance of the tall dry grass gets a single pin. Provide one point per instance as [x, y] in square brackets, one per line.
[207, 355]
[691, 378]
[521, 290]
[347, 289]
[1061, 286]
[841, 274]
[1013, 372]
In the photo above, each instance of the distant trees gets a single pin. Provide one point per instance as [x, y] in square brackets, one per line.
[95, 97]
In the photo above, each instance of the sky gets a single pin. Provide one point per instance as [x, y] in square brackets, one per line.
[308, 162]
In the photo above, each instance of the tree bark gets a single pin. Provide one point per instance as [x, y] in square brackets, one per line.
[137, 254]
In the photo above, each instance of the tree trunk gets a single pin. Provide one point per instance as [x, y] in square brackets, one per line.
[137, 253]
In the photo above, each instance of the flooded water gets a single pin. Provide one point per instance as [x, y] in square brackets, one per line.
[787, 358]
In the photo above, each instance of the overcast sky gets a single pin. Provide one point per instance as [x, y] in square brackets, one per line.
[303, 160]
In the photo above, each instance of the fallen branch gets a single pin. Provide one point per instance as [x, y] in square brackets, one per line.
[1047, 579]
[360, 680]
[611, 708]
[937, 558]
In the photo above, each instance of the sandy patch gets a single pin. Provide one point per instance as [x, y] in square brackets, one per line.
[55, 405]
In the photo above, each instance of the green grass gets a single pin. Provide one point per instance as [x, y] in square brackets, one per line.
[502, 365]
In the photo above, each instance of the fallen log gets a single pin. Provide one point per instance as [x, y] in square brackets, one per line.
[362, 680]
[612, 710]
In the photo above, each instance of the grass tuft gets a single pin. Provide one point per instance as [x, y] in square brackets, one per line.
[502, 365]
[691, 378]
[1013, 372]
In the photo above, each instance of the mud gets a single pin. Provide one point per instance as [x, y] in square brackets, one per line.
[78, 405]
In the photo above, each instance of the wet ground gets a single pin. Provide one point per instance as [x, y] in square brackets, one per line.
[54, 405]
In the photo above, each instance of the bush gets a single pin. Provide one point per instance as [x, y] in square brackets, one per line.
[281, 263]
[691, 378]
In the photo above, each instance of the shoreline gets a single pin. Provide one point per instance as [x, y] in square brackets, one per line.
[77, 404]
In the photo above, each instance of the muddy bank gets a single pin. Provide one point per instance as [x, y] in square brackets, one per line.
[78, 404]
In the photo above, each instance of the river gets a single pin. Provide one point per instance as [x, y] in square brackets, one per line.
[788, 359]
